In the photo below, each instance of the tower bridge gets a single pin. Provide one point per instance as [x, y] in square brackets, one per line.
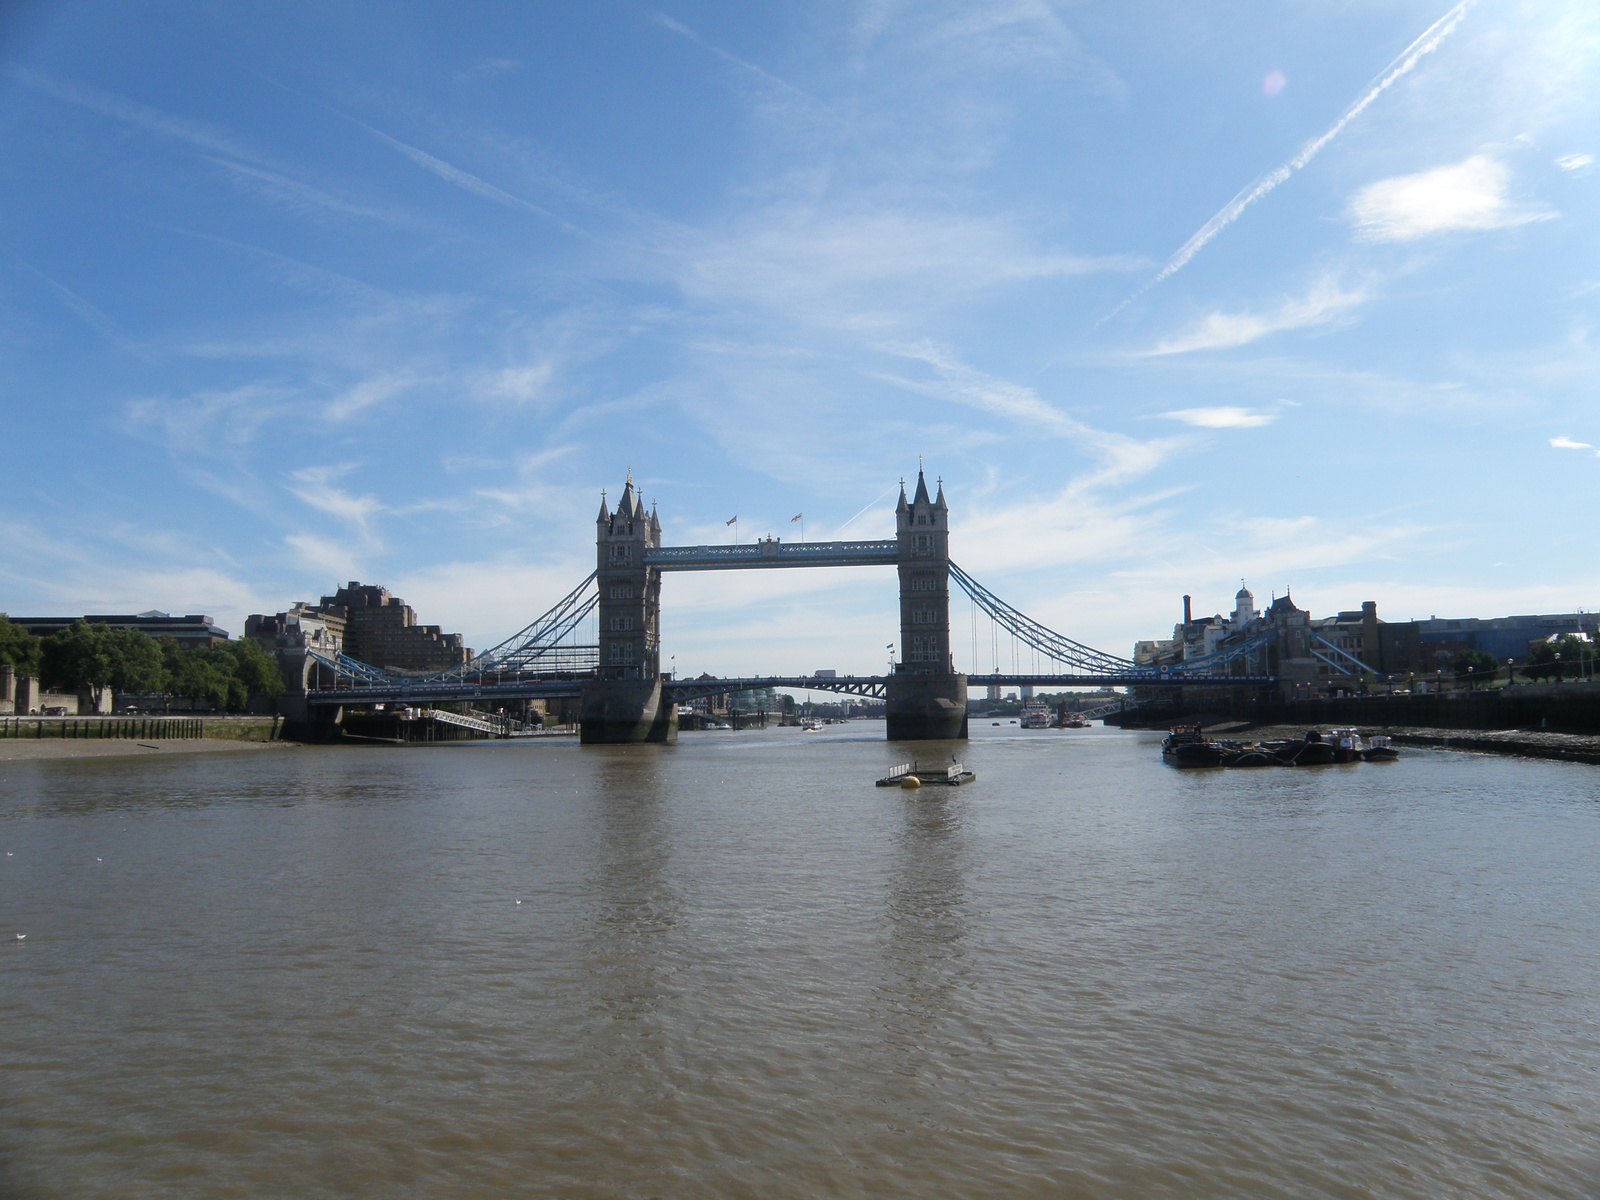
[624, 697]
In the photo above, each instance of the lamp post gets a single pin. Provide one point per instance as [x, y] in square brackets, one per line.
[1511, 670]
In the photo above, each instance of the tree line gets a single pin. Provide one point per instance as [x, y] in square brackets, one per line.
[93, 656]
[1567, 657]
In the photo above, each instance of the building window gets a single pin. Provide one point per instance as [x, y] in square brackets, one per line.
[621, 553]
[924, 583]
[622, 591]
[924, 616]
[922, 520]
[621, 623]
[922, 541]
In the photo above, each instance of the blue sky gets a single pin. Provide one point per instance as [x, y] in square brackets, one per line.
[297, 294]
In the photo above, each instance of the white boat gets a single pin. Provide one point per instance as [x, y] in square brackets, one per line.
[1036, 715]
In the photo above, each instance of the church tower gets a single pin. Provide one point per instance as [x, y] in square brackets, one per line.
[630, 591]
[922, 530]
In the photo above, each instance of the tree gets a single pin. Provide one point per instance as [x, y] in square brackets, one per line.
[76, 657]
[254, 667]
[136, 663]
[1474, 666]
[19, 648]
[1564, 656]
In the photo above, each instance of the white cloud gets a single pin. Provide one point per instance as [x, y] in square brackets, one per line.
[1222, 417]
[521, 383]
[1575, 162]
[1469, 195]
[1565, 443]
[1324, 303]
[314, 486]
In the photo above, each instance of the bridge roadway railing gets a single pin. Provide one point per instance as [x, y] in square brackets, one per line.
[418, 692]
[773, 553]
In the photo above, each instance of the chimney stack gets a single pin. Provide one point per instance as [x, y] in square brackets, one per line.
[1187, 614]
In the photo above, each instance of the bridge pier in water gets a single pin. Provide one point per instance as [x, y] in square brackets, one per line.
[626, 710]
[926, 707]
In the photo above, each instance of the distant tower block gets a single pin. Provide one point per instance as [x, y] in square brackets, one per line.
[925, 697]
[624, 704]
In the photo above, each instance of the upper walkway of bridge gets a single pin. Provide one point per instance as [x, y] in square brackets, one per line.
[773, 553]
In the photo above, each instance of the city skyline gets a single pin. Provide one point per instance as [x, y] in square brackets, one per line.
[303, 297]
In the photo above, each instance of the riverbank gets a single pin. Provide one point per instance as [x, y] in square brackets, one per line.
[1524, 743]
[28, 749]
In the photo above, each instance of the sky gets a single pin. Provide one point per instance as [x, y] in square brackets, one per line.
[1170, 296]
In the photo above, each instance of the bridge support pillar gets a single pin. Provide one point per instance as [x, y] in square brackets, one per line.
[926, 707]
[626, 710]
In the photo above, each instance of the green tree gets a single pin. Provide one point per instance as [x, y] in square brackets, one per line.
[254, 667]
[1566, 656]
[1542, 662]
[78, 656]
[19, 647]
[1474, 666]
[136, 663]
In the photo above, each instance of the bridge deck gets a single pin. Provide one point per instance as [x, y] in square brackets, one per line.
[685, 689]
[773, 554]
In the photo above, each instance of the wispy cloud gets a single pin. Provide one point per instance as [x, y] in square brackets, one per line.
[489, 67]
[1468, 195]
[1222, 417]
[315, 486]
[143, 116]
[1407, 60]
[465, 180]
[1565, 443]
[745, 66]
[92, 316]
[1575, 162]
[1122, 458]
[1325, 302]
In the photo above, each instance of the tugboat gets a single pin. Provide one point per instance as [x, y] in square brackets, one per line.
[1187, 746]
[1378, 749]
[1347, 745]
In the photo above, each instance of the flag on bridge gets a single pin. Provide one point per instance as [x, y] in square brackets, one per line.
[797, 517]
[731, 519]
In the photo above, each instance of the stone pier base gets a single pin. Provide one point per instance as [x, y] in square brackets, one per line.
[926, 707]
[626, 710]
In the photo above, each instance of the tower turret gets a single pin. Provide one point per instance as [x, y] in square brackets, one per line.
[630, 591]
[922, 529]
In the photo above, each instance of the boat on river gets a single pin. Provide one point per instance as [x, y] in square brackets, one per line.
[1379, 749]
[1188, 746]
[1036, 715]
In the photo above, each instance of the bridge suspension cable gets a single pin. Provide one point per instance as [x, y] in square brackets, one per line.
[1052, 645]
[537, 647]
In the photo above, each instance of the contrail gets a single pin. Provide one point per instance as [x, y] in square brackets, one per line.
[1401, 65]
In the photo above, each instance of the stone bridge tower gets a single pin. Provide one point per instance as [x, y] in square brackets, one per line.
[625, 704]
[926, 698]
[630, 592]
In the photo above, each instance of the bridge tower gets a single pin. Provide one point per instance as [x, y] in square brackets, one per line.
[925, 696]
[624, 703]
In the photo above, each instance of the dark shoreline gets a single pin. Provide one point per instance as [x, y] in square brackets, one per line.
[1524, 743]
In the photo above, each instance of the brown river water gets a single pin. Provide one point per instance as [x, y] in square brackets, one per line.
[740, 969]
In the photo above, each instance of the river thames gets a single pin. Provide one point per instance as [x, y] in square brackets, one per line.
[734, 967]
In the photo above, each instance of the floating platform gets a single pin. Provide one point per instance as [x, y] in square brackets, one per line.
[913, 775]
